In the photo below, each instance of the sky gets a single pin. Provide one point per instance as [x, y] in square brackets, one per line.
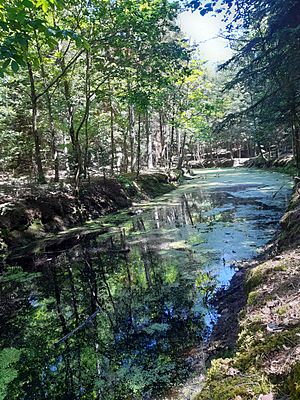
[204, 30]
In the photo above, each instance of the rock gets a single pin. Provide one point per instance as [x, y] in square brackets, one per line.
[209, 163]
[273, 327]
[225, 163]
[266, 397]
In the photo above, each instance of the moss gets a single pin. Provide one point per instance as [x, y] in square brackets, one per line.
[224, 382]
[155, 185]
[4, 233]
[255, 348]
[282, 310]
[152, 185]
[252, 298]
[280, 268]
[289, 169]
[256, 276]
[36, 225]
[293, 383]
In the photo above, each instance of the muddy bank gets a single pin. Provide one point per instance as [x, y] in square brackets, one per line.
[53, 209]
[254, 352]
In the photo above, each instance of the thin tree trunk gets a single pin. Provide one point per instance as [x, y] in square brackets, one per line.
[138, 156]
[162, 138]
[125, 151]
[296, 136]
[77, 167]
[181, 158]
[149, 141]
[50, 115]
[36, 135]
[172, 137]
[87, 111]
[132, 137]
[112, 137]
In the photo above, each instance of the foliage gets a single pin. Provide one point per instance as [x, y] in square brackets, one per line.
[9, 357]
[262, 35]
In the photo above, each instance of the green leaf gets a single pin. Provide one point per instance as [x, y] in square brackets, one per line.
[6, 64]
[21, 40]
[14, 66]
[9, 358]
[27, 3]
[3, 25]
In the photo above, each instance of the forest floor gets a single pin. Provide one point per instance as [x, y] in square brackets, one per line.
[29, 212]
[254, 351]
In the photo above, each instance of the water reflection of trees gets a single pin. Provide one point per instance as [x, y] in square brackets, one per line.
[142, 319]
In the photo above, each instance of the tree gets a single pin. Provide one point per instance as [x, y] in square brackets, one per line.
[264, 34]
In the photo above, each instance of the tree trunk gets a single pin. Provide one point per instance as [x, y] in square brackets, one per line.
[54, 151]
[162, 138]
[125, 151]
[138, 156]
[112, 137]
[149, 142]
[86, 115]
[172, 138]
[37, 140]
[296, 135]
[181, 158]
[132, 137]
[77, 165]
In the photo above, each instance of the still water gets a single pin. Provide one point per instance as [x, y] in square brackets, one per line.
[114, 316]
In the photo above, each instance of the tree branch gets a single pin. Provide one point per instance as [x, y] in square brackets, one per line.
[49, 86]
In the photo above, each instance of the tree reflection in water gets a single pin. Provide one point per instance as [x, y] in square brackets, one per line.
[112, 318]
[99, 325]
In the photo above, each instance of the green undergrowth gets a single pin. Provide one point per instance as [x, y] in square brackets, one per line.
[289, 169]
[243, 374]
[152, 185]
[292, 384]
[255, 345]
[257, 275]
[225, 382]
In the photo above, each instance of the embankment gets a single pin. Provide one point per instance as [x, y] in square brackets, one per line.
[52, 209]
[254, 352]
[285, 164]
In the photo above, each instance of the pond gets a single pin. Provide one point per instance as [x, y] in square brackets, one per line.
[116, 315]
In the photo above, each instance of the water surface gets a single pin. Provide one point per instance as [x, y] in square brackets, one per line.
[118, 315]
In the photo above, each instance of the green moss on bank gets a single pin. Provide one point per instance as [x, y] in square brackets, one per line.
[33, 217]
[225, 381]
[289, 169]
[266, 357]
[151, 185]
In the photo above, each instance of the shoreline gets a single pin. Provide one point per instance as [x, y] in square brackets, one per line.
[252, 316]
[46, 213]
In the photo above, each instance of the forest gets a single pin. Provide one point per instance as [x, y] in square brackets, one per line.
[149, 201]
[112, 87]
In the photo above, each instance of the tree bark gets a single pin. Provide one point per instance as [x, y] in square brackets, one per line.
[132, 137]
[50, 116]
[36, 135]
[138, 156]
[181, 158]
[149, 141]
[77, 154]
